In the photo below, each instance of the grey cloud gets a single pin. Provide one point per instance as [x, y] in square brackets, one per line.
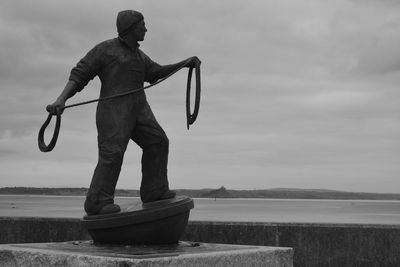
[378, 3]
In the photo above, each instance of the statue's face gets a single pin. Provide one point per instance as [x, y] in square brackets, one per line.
[140, 31]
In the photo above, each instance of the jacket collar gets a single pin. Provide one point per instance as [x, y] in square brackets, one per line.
[133, 46]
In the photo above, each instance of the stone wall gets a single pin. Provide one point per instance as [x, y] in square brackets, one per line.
[314, 244]
[38, 230]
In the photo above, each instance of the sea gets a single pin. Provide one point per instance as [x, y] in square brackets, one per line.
[236, 210]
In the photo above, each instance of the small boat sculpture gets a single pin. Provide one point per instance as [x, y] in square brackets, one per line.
[158, 222]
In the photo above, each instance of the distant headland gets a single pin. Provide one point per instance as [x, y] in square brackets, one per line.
[222, 192]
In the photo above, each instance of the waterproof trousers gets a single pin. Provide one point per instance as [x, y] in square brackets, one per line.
[131, 119]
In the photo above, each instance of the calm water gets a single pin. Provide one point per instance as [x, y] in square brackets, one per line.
[255, 210]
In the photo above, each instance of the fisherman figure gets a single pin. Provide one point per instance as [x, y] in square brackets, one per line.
[122, 66]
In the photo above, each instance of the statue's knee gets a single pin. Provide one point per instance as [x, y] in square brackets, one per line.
[163, 144]
[111, 155]
[165, 141]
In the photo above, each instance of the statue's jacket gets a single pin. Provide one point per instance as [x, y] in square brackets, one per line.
[120, 68]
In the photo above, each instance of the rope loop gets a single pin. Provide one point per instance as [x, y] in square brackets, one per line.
[191, 117]
[42, 145]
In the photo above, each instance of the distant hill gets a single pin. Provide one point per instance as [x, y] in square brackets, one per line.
[292, 193]
[218, 193]
[58, 191]
[222, 192]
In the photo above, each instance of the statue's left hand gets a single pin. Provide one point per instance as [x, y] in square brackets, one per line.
[56, 107]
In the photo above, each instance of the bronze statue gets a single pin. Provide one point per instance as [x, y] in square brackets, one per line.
[122, 66]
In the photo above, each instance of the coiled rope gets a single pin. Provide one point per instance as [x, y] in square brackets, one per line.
[190, 117]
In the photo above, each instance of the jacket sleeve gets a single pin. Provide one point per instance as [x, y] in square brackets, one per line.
[151, 69]
[87, 68]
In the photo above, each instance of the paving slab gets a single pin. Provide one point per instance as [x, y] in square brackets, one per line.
[86, 253]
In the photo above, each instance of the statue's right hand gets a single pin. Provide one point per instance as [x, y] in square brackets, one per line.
[56, 107]
[192, 62]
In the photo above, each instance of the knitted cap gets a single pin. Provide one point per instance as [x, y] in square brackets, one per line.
[126, 19]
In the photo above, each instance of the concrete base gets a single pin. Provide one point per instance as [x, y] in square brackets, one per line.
[85, 253]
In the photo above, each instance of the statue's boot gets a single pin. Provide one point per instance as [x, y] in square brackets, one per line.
[109, 208]
[167, 195]
[106, 209]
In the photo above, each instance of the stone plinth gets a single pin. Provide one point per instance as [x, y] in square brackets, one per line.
[85, 253]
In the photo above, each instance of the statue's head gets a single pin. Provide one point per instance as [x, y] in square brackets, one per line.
[131, 22]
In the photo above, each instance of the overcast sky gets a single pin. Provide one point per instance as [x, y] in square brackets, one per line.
[295, 93]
